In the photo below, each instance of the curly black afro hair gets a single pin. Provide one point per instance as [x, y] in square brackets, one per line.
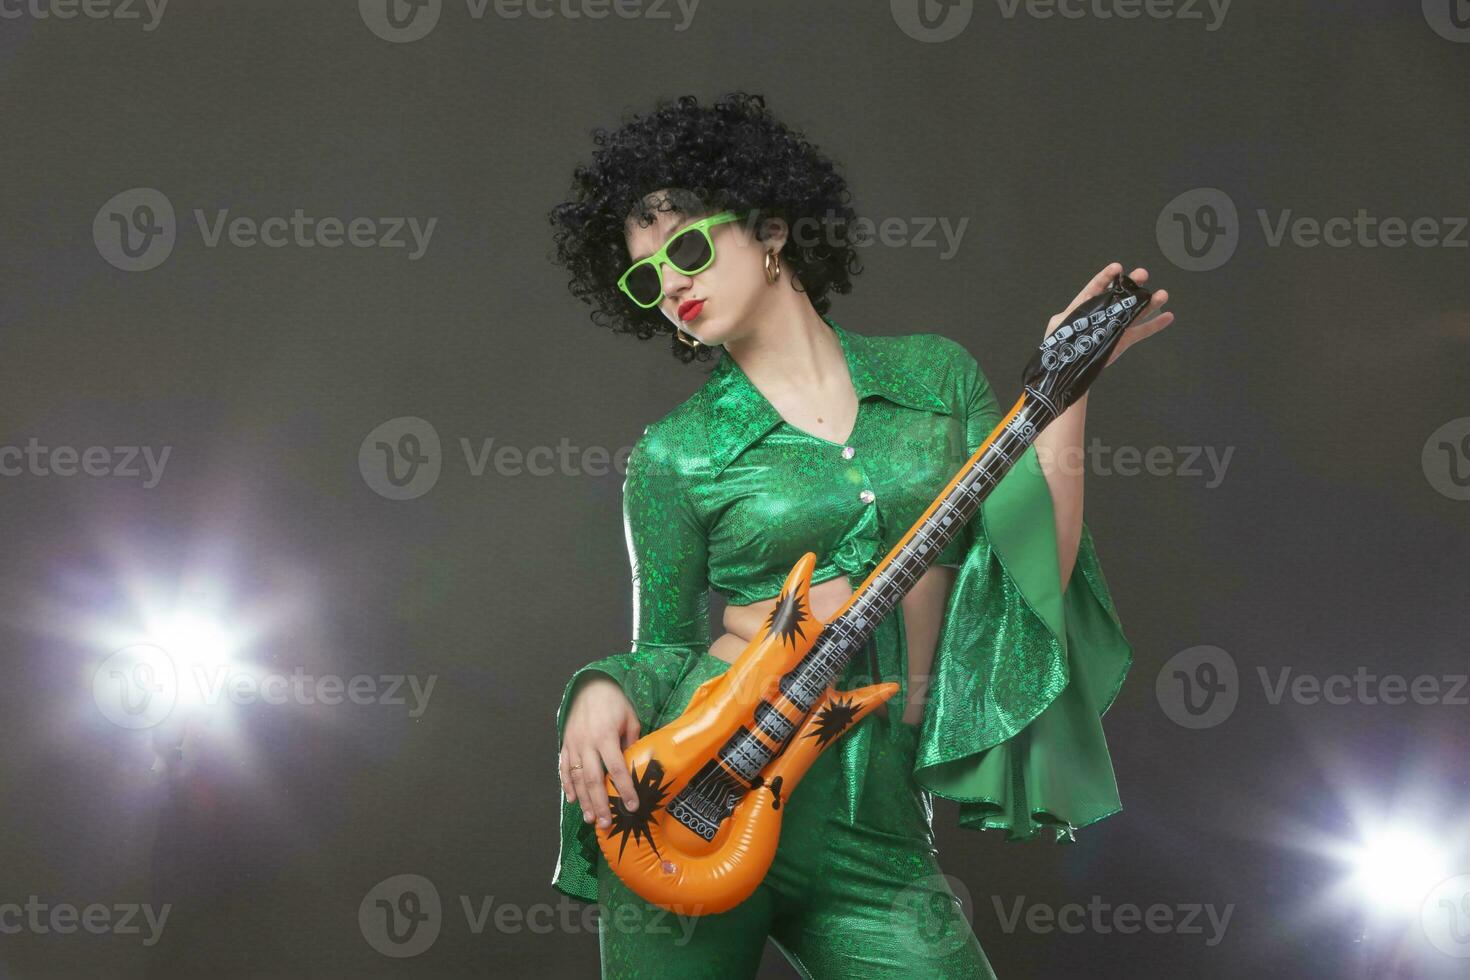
[733, 155]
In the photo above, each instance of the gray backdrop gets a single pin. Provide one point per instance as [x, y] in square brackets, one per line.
[1325, 377]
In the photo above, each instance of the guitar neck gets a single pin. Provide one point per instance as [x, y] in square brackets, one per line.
[1058, 373]
[898, 572]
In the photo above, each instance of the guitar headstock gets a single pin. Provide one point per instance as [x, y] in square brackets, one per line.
[1069, 360]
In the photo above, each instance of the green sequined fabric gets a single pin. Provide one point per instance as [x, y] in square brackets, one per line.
[723, 494]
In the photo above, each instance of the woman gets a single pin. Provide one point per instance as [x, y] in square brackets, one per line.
[720, 227]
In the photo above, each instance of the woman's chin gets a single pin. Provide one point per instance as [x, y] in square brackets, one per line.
[705, 331]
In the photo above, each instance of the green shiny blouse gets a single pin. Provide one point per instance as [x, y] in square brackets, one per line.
[723, 494]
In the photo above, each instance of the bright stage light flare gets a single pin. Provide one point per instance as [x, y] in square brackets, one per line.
[193, 637]
[199, 646]
[1396, 868]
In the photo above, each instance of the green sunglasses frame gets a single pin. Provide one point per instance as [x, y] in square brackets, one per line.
[660, 258]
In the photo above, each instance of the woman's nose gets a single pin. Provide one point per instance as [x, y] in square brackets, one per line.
[674, 280]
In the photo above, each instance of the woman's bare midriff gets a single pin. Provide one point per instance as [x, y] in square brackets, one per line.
[923, 613]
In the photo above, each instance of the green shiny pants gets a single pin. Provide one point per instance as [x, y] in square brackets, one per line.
[842, 899]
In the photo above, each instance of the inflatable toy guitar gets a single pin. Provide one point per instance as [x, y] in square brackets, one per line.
[712, 783]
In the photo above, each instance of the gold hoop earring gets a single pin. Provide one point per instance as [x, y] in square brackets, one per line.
[694, 345]
[773, 266]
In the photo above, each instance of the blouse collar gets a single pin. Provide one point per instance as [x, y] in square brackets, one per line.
[738, 414]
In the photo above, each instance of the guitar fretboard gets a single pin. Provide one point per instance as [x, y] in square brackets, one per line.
[905, 565]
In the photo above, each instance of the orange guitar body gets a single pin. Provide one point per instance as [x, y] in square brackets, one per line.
[717, 863]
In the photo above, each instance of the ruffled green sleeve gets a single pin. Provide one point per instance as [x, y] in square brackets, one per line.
[1023, 670]
[668, 561]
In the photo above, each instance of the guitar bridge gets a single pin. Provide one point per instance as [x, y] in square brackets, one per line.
[707, 801]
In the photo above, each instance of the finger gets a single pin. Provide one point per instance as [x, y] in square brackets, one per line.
[1138, 332]
[566, 780]
[584, 781]
[1152, 326]
[617, 768]
[1097, 285]
[594, 789]
[1151, 311]
[1154, 310]
[631, 730]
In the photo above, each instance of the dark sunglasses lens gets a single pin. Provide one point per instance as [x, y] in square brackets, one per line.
[643, 283]
[689, 251]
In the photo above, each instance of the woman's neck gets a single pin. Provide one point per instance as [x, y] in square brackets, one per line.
[790, 349]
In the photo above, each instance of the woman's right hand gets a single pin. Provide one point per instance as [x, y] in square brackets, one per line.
[600, 724]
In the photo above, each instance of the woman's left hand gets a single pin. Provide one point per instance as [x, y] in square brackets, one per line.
[1148, 323]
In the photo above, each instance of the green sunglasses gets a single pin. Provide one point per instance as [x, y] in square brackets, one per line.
[690, 251]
